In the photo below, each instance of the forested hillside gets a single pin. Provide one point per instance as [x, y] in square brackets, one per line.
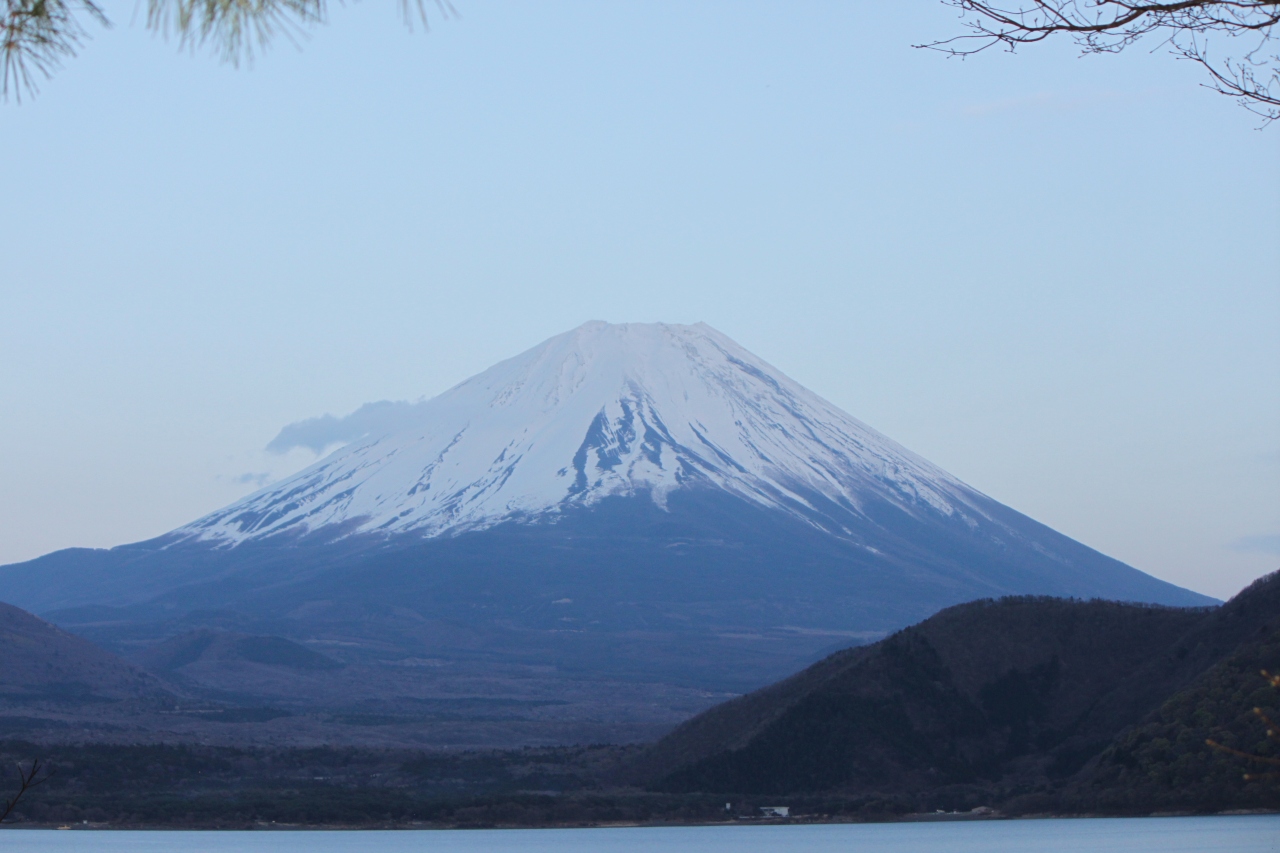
[1034, 701]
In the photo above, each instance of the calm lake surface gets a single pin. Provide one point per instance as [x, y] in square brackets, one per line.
[1244, 834]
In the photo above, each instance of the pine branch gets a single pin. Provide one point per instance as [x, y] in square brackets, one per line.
[37, 35]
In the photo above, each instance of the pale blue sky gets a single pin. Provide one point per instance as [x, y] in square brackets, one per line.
[1058, 278]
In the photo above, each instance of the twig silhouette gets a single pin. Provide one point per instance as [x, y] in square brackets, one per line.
[29, 781]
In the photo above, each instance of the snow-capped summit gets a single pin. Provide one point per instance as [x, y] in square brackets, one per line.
[602, 410]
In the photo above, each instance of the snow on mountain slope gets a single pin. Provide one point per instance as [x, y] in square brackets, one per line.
[602, 410]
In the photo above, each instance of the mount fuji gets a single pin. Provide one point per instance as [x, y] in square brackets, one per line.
[602, 411]
[638, 503]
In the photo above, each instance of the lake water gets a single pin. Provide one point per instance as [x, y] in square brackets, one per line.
[1243, 834]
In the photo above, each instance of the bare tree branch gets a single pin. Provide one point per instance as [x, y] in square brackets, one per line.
[1251, 75]
[29, 780]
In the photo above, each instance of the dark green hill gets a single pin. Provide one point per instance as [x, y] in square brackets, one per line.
[1007, 695]
[1165, 762]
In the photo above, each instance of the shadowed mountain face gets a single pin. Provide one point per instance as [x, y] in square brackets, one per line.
[54, 684]
[44, 664]
[643, 504]
[710, 592]
[1016, 691]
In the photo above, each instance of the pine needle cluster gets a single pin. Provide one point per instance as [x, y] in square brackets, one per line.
[36, 36]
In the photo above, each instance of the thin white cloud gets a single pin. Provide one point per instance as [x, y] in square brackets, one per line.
[321, 433]
[1267, 543]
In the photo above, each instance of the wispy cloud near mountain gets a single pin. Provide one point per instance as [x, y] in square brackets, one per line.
[321, 433]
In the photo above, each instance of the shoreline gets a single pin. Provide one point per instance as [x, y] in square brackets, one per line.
[799, 820]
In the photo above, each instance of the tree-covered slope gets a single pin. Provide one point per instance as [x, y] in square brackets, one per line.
[1015, 695]
[1166, 761]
